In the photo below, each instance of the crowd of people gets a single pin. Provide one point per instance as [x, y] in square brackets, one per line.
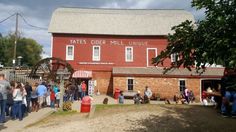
[18, 99]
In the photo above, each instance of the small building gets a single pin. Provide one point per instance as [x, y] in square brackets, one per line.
[113, 48]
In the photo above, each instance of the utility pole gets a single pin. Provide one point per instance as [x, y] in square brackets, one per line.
[15, 44]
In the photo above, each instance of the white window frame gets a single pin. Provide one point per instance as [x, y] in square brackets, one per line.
[126, 54]
[174, 57]
[70, 57]
[96, 58]
[147, 54]
[184, 85]
[127, 83]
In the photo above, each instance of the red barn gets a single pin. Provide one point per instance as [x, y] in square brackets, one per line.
[113, 48]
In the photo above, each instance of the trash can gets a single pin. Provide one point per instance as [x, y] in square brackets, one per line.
[117, 93]
[85, 104]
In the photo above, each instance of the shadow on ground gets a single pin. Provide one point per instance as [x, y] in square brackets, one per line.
[176, 119]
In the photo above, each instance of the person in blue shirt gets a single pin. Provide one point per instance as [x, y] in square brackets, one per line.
[55, 88]
[42, 90]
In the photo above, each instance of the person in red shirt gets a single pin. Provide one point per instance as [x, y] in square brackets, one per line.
[52, 98]
[84, 88]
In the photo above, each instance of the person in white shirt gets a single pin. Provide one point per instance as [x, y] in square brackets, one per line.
[147, 94]
[18, 94]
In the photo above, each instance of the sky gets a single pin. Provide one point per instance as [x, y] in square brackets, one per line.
[38, 13]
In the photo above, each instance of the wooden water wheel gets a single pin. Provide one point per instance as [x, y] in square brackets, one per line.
[47, 68]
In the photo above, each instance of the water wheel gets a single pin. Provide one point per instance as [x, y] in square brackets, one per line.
[47, 68]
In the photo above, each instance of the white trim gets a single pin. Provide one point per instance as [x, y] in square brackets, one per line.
[173, 57]
[147, 54]
[51, 44]
[70, 57]
[99, 53]
[132, 54]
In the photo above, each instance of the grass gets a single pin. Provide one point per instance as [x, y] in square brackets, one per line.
[64, 113]
[54, 116]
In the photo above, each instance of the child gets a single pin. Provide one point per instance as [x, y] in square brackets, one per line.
[121, 98]
[52, 98]
[58, 98]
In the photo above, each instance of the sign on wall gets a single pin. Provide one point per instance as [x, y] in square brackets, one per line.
[111, 42]
[90, 87]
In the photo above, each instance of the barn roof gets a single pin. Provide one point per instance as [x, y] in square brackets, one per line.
[158, 71]
[116, 21]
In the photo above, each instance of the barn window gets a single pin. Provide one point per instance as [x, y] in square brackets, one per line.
[130, 84]
[128, 54]
[174, 57]
[69, 52]
[182, 85]
[96, 53]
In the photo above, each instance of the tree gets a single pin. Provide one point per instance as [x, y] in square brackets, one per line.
[212, 40]
[28, 48]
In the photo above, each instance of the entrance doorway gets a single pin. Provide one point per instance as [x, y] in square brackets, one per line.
[212, 84]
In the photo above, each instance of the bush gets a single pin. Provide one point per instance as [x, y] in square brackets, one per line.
[67, 106]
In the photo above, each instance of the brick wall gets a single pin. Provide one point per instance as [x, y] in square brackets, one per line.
[104, 82]
[166, 87]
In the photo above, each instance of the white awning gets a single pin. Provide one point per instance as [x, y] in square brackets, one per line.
[82, 74]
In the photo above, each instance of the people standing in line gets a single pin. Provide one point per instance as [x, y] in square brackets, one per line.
[24, 101]
[58, 98]
[84, 89]
[80, 91]
[4, 89]
[52, 98]
[76, 97]
[147, 94]
[47, 96]
[72, 88]
[10, 101]
[121, 98]
[41, 90]
[28, 89]
[34, 98]
[55, 88]
[18, 97]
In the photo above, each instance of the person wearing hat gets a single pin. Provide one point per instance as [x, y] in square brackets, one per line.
[138, 98]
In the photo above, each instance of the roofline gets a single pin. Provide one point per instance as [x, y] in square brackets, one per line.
[114, 8]
[110, 34]
[165, 75]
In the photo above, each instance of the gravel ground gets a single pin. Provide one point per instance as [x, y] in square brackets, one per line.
[142, 118]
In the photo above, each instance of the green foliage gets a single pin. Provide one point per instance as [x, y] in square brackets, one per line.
[212, 40]
[67, 106]
[28, 48]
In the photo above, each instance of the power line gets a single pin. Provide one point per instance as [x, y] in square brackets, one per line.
[7, 18]
[26, 22]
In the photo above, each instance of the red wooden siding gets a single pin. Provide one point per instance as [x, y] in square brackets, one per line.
[112, 50]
